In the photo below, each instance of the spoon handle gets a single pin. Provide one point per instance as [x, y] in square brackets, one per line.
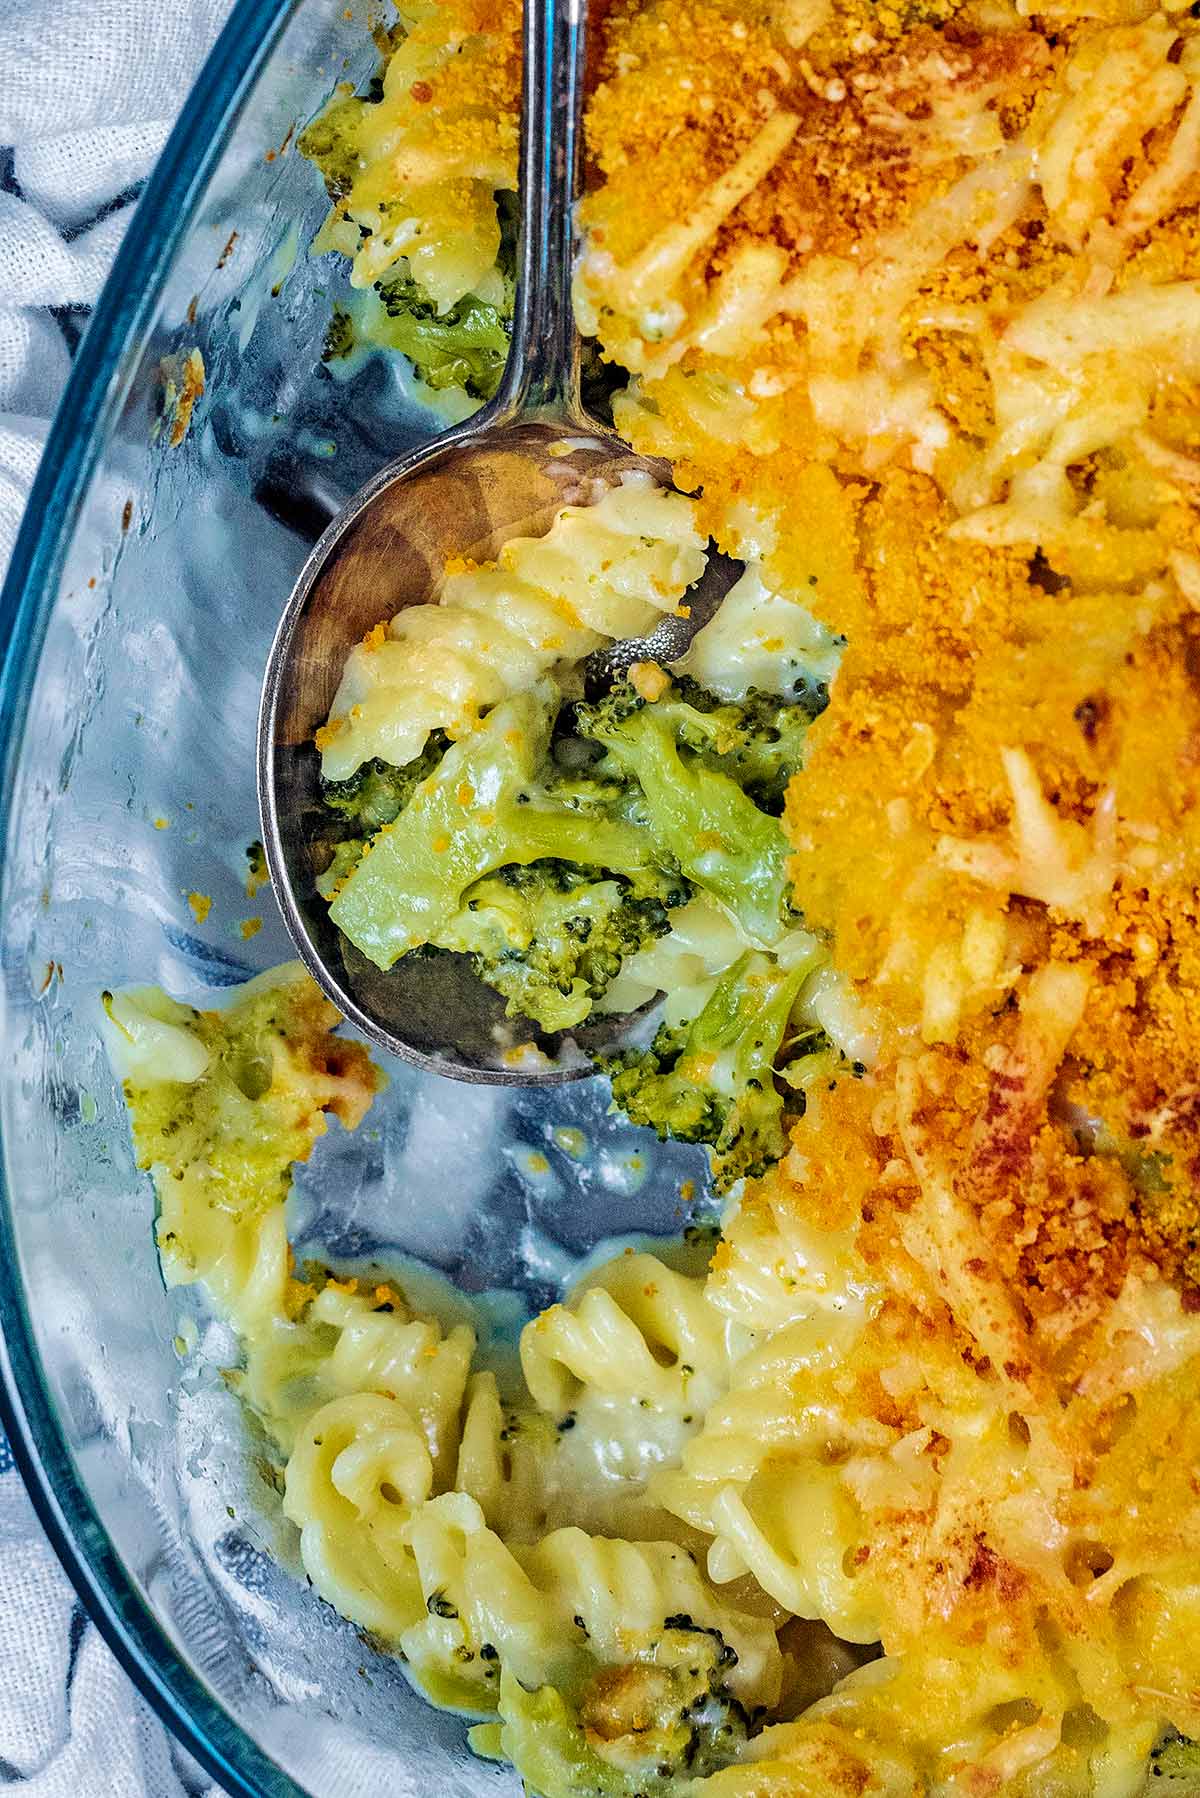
[542, 377]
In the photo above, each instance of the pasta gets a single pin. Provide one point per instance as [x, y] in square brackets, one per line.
[759, 1432]
[601, 571]
[638, 1330]
[200, 1117]
[684, 964]
[630, 1365]
[759, 641]
[553, 1610]
[353, 1481]
[414, 174]
[428, 1511]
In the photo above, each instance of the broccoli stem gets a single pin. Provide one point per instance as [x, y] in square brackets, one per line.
[707, 824]
[480, 810]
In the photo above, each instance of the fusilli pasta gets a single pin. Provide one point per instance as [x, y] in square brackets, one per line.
[746, 1451]
[601, 571]
[910, 297]
[414, 173]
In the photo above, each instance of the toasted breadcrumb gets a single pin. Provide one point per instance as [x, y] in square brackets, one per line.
[1007, 774]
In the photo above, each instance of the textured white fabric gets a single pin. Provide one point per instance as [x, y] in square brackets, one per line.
[88, 90]
[70, 1723]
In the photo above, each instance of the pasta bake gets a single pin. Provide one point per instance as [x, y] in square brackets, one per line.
[893, 1486]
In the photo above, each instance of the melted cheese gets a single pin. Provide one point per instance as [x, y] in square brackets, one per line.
[602, 571]
[760, 639]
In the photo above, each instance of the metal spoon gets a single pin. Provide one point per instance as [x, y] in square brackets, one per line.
[465, 493]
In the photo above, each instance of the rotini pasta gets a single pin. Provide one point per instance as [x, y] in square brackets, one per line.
[626, 1369]
[601, 571]
[760, 639]
[553, 1611]
[769, 1435]
[503, 1462]
[354, 1479]
[764, 1477]
[414, 174]
[409, 1359]
[636, 1331]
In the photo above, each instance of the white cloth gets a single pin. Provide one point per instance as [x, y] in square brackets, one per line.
[70, 1722]
[88, 91]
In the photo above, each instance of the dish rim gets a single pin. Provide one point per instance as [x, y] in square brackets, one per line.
[178, 1696]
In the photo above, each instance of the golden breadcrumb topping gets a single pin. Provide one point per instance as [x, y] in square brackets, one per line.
[910, 330]
[911, 303]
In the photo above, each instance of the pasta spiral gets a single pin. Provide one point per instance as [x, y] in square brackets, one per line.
[600, 572]
[759, 639]
[415, 174]
[551, 1610]
[517, 1548]
[377, 1411]
[243, 1261]
[638, 1332]
[358, 1472]
[502, 1461]
[408, 1358]
[907, 1730]
[758, 1480]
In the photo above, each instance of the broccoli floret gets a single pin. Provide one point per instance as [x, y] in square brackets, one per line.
[758, 740]
[377, 792]
[464, 347]
[225, 1100]
[331, 142]
[484, 808]
[713, 1080]
[551, 937]
[600, 719]
[591, 794]
[339, 336]
[635, 1730]
[698, 811]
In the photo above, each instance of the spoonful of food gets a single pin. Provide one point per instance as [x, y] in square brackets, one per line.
[422, 797]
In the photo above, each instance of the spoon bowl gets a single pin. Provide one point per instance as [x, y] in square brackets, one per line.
[466, 494]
